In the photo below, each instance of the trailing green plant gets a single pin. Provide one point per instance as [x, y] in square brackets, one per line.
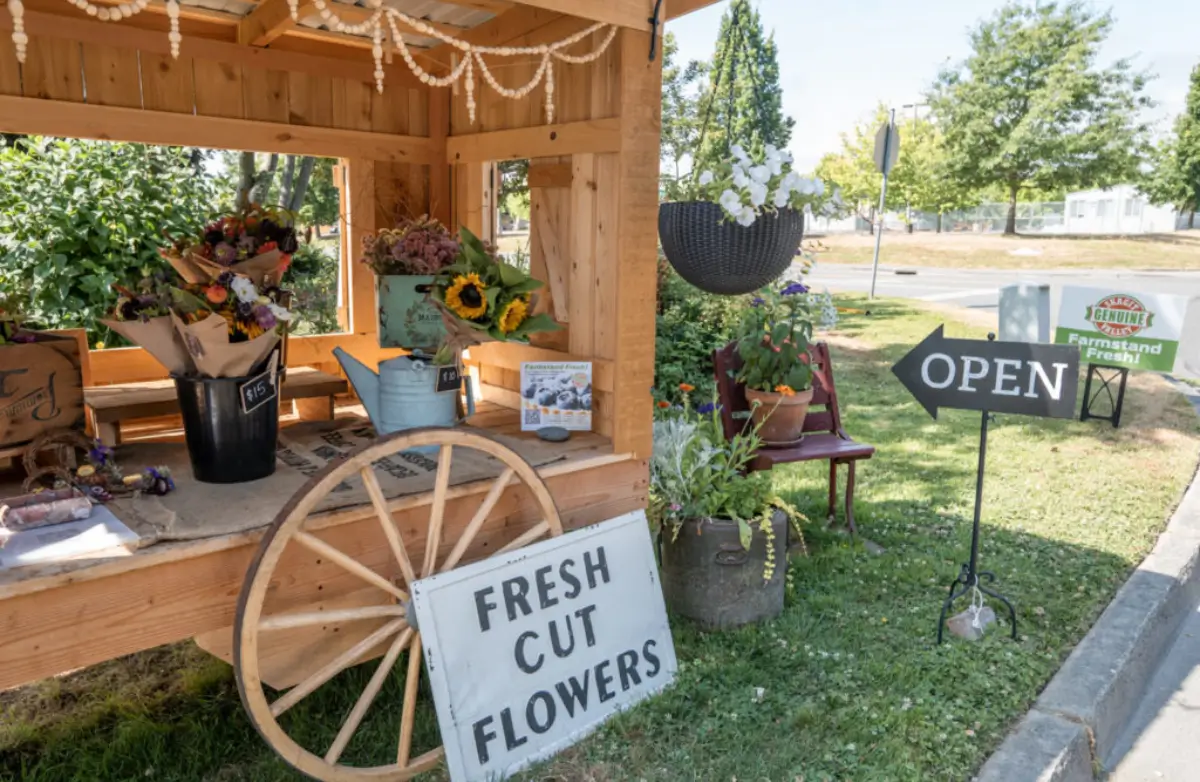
[78, 216]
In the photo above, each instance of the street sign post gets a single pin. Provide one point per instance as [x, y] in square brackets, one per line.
[887, 152]
[1008, 377]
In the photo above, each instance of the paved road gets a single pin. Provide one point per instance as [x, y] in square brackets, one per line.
[979, 289]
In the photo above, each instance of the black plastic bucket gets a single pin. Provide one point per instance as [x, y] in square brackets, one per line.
[226, 444]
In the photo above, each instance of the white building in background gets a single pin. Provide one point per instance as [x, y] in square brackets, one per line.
[1117, 210]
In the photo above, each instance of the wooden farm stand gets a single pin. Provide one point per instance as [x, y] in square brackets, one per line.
[251, 78]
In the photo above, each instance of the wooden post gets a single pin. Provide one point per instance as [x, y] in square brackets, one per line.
[360, 222]
[637, 242]
[440, 171]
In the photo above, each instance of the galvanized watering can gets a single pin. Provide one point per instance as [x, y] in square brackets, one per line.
[403, 393]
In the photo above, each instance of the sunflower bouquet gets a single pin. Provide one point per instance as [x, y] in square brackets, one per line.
[255, 241]
[483, 298]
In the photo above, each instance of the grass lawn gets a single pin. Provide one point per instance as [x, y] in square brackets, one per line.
[854, 688]
[992, 251]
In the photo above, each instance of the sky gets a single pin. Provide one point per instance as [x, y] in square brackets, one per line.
[837, 61]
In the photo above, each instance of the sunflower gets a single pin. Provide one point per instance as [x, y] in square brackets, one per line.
[465, 296]
[513, 315]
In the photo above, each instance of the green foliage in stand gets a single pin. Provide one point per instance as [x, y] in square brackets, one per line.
[78, 216]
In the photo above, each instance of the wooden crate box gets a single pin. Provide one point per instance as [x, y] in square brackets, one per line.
[41, 389]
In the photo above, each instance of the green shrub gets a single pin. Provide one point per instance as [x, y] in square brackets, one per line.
[691, 325]
[78, 216]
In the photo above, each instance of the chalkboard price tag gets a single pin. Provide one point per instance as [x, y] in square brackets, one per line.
[448, 379]
[258, 390]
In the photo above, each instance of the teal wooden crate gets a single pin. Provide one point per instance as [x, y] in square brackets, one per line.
[407, 319]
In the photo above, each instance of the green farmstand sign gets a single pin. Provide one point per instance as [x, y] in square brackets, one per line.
[1122, 328]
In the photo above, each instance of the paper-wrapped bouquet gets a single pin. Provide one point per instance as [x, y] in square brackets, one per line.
[222, 328]
[255, 242]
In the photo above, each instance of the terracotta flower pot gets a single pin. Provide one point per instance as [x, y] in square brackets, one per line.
[780, 418]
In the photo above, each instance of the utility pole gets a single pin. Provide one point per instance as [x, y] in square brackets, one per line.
[887, 150]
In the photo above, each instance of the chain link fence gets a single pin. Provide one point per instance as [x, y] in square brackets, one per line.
[1032, 218]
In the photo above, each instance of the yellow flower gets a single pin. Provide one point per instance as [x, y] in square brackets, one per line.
[785, 390]
[513, 315]
[465, 297]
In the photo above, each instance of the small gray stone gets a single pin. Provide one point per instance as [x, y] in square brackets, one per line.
[553, 434]
[962, 626]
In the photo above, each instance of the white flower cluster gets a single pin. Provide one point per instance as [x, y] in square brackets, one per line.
[752, 187]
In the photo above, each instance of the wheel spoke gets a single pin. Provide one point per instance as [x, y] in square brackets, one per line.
[334, 667]
[489, 503]
[367, 698]
[288, 621]
[427, 761]
[318, 546]
[437, 510]
[533, 534]
[389, 525]
[408, 713]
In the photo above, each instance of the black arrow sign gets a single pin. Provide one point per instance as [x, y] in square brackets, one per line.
[1019, 378]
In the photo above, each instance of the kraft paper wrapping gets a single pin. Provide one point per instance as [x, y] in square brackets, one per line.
[198, 270]
[159, 338]
[207, 344]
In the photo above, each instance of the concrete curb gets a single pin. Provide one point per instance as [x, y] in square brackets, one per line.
[1081, 713]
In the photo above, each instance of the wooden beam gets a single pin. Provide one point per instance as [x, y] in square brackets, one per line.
[634, 14]
[110, 123]
[550, 174]
[360, 222]
[71, 26]
[269, 21]
[491, 6]
[678, 8]
[600, 135]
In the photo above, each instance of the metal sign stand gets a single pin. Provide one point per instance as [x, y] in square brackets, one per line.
[970, 576]
[1114, 403]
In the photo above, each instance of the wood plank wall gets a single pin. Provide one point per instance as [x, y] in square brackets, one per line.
[575, 211]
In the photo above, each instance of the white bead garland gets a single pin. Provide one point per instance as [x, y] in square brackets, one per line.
[381, 53]
[19, 38]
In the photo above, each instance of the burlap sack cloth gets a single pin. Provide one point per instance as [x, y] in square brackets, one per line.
[202, 510]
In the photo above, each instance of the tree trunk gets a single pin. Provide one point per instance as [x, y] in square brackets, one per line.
[1010, 225]
[939, 222]
[246, 183]
[285, 186]
[1192, 219]
[300, 184]
[263, 181]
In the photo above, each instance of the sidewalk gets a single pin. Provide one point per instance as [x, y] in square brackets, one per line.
[1162, 741]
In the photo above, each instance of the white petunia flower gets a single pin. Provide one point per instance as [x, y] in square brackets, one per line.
[783, 197]
[804, 186]
[706, 178]
[790, 180]
[747, 216]
[279, 312]
[772, 151]
[775, 166]
[818, 187]
[739, 176]
[758, 194]
[731, 202]
[760, 174]
[243, 288]
[740, 153]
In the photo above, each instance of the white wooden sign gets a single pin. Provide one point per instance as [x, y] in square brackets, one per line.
[530, 651]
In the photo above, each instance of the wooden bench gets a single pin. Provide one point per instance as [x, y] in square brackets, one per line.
[312, 392]
[824, 438]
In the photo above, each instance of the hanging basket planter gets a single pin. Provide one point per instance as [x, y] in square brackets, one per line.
[718, 255]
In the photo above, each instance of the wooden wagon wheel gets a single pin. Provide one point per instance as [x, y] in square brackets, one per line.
[289, 528]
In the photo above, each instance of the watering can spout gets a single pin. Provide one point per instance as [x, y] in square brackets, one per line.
[365, 381]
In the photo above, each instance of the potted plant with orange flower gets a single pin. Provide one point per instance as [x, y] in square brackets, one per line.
[773, 341]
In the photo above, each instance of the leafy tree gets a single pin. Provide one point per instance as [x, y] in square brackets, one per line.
[742, 102]
[1030, 107]
[921, 178]
[322, 203]
[1175, 173]
[78, 216]
[514, 187]
[680, 118]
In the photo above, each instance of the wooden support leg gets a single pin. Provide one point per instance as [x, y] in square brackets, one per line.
[315, 409]
[109, 433]
[832, 516]
[850, 500]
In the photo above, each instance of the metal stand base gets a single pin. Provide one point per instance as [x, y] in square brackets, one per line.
[959, 588]
[970, 575]
[1114, 374]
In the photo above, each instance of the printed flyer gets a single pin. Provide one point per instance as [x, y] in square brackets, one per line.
[1122, 328]
[556, 393]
